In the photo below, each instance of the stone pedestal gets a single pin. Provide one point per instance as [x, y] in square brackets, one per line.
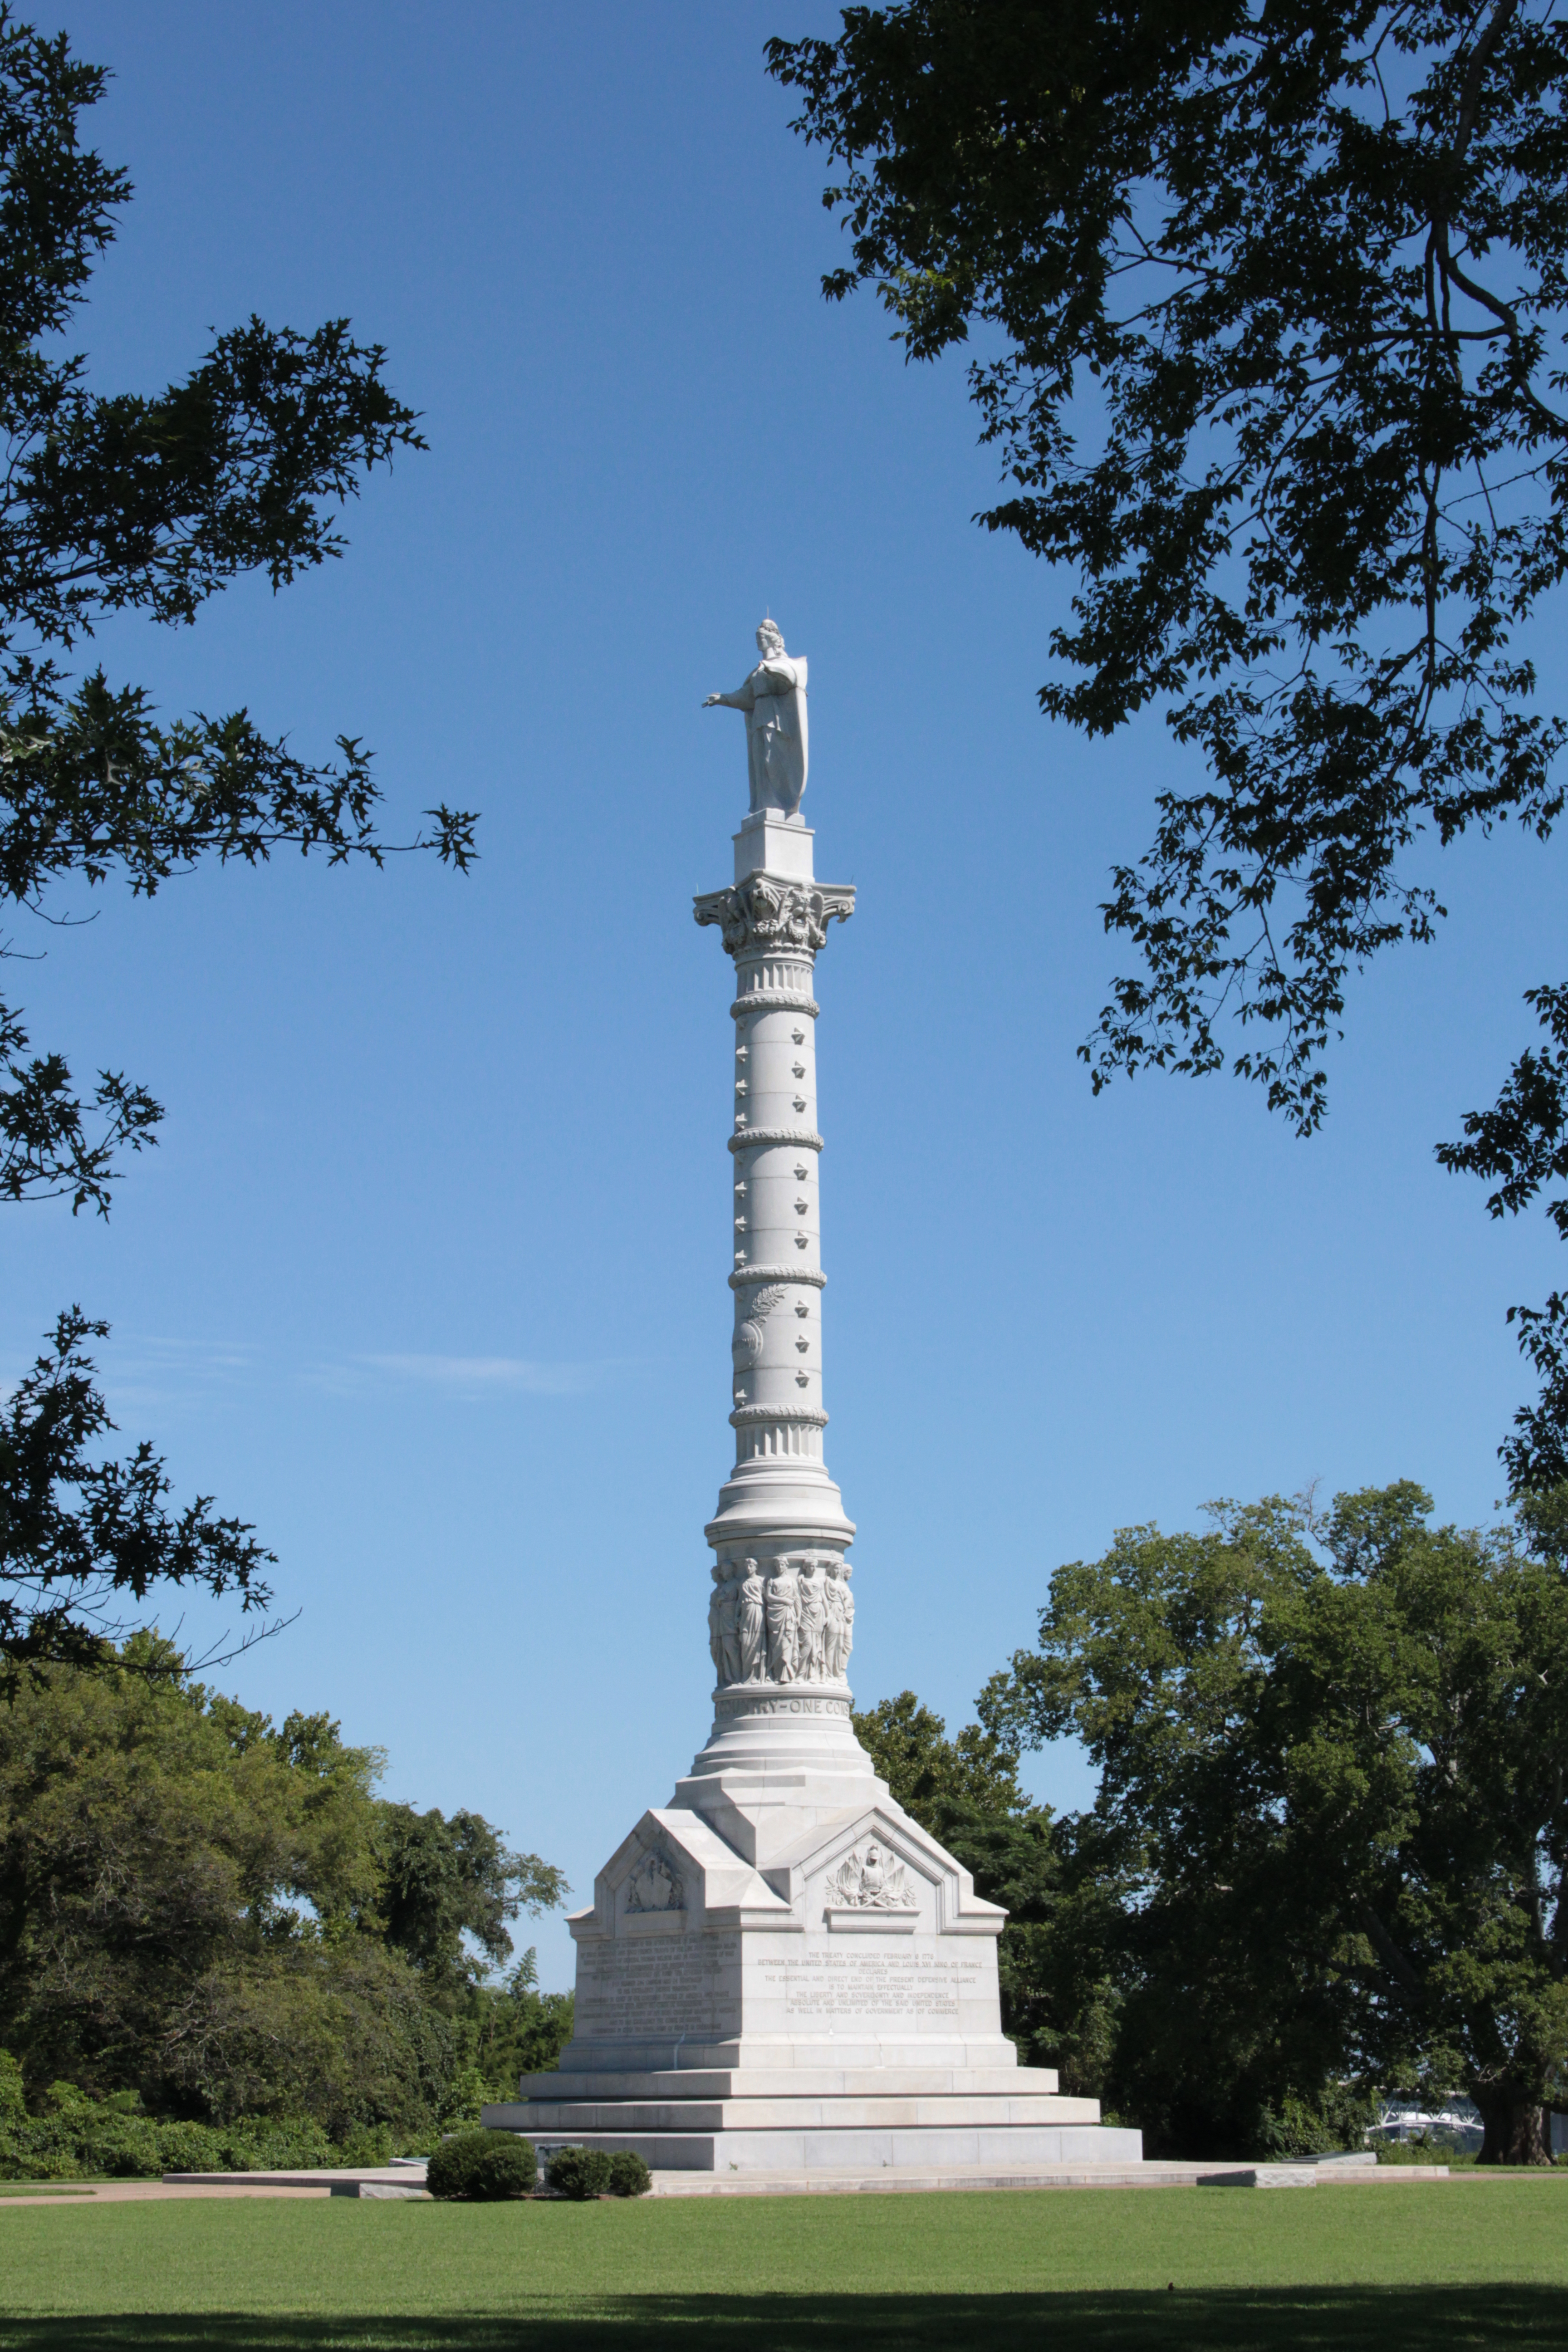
[781, 1970]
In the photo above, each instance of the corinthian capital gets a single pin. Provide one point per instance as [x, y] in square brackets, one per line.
[763, 914]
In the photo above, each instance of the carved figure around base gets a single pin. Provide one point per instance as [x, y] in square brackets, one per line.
[752, 1603]
[783, 1621]
[808, 1651]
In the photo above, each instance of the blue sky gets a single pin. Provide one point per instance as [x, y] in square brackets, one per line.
[427, 1278]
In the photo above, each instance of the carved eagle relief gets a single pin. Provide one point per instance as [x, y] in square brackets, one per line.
[747, 1345]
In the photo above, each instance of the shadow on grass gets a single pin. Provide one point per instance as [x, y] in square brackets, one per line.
[1280, 2319]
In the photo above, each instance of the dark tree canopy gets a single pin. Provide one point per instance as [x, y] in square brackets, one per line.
[214, 1911]
[443, 1880]
[111, 501]
[108, 502]
[1523, 1141]
[926, 1770]
[82, 1538]
[1269, 301]
[1331, 1815]
[965, 1790]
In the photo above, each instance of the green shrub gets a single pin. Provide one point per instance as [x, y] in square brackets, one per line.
[192, 2148]
[34, 2155]
[13, 2101]
[126, 2149]
[579, 2171]
[629, 2175]
[482, 2166]
[1428, 2148]
[77, 2135]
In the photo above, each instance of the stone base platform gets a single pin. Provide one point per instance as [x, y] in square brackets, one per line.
[732, 2120]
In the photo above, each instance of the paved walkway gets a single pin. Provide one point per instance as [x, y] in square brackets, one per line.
[396, 2182]
[891, 2182]
[128, 2192]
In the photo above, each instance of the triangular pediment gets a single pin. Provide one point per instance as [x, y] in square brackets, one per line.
[673, 1872]
[877, 1858]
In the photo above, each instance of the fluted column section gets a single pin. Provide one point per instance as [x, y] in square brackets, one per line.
[780, 1615]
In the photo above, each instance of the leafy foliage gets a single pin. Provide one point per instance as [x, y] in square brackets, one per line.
[483, 2168]
[112, 502]
[1311, 259]
[629, 2175]
[515, 2028]
[926, 1771]
[579, 2172]
[1270, 302]
[46, 1148]
[73, 2135]
[193, 1909]
[1523, 1141]
[966, 1792]
[444, 1879]
[1331, 1812]
[80, 1536]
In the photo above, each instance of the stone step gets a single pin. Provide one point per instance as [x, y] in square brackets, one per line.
[798, 2082]
[884, 2114]
[771, 2055]
[808, 2148]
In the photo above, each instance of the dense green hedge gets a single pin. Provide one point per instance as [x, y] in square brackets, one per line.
[79, 2137]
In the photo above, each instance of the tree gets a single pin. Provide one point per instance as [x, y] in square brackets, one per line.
[928, 1773]
[1523, 1139]
[208, 1910]
[1271, 294]
[112, 502]
[1057, 2001]
[517, 2029]
[1331, 1795]
[444, 1880]
[80, 1537]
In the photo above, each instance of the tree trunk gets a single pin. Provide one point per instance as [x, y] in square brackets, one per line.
[1515, 2123]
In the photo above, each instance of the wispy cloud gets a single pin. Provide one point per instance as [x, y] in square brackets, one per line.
[145, 1373]
[488, 1375]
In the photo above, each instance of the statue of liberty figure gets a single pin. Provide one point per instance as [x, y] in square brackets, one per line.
[773, 699]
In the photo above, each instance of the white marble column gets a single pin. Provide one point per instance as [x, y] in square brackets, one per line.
[780, 1615]
[781, 1972]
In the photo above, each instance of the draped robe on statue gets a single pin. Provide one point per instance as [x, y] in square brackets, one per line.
[773, 699]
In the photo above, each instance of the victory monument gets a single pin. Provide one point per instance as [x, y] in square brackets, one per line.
[781, 1972]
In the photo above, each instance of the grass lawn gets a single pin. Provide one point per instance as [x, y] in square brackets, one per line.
[1325, 2270]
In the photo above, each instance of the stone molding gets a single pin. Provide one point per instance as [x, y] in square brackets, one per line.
[762, 914]
[737, 1698]
[773, 999]
[745, 1414]
[744, 1276]
[744, 1138]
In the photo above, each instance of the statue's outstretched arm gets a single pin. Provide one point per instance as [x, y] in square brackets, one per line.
[739, 700]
